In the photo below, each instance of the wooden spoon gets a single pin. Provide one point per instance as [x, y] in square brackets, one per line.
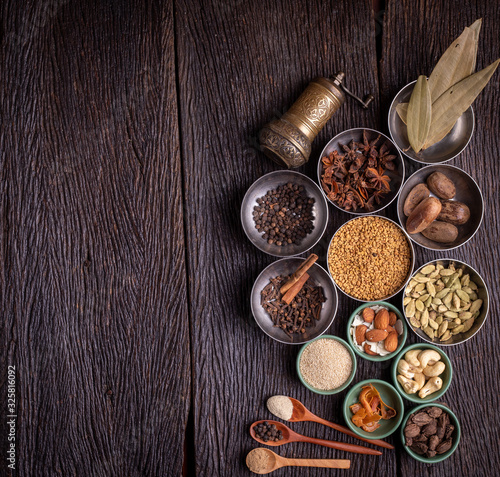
[291, 436]
[275, 461]
[301, 413]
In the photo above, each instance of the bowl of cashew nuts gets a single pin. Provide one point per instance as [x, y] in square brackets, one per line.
[422, 373]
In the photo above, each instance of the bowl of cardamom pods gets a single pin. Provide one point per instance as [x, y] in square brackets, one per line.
[446, 302]
[431, 119]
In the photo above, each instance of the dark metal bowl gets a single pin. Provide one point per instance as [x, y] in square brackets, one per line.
[286, 266]
[397, 176]
[482, 293]
[268, 182]
[468, 192]
[446, 149]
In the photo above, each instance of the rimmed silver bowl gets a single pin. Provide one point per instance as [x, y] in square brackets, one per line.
[468, 192]
[482, 293]
[410, 270]
[445, 150]
[269, 182]
[396, 176]
[285, 267]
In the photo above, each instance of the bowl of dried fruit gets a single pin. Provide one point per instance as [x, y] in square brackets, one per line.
[370, 258]
[386, 409]
[284, 213]
[303, 311]
[446, 302]
[430, 433]
[361, 171]
[376, 331]
[422, 373]
[441, 207]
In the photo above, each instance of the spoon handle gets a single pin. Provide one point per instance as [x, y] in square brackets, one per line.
[329, 463]
[347, 431]
[340, 445]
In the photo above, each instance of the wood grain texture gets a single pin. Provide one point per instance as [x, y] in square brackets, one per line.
[93, 280]
[415, 36]
[239, 64]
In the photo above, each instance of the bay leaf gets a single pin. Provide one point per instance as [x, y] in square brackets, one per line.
[456, 63]
[419, 114]
[402, 110]
[455, 101]
[476, 28]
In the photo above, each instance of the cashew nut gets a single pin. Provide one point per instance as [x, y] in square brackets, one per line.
[410, 386]
[435, 369]
[419, 378]
[434, 384]
[428, 356]
[407, 370]
[411, 357]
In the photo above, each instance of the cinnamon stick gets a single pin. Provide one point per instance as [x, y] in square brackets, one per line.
[295, 277]
[295, 288]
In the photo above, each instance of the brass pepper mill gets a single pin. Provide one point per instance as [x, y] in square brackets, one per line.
[287, 140]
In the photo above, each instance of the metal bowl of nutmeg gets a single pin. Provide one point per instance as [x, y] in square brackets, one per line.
[441, 207]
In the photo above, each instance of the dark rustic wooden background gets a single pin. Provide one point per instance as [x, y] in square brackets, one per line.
[127, 141]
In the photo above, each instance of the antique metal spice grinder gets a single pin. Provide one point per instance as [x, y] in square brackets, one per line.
[287, 140]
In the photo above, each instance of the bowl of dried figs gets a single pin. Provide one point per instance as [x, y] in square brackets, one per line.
[376, 331]
[430, 433]
[361, 171]
[441, 207]
[446, 302]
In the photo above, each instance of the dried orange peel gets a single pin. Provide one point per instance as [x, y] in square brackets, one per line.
[370, 409]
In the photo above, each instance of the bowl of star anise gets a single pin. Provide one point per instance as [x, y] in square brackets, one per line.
[361, 171]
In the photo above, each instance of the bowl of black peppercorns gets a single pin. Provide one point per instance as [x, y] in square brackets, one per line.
[284, 213]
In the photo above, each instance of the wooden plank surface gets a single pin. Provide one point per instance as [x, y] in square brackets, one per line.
[93, 280]
[239, 64]
[416, 33]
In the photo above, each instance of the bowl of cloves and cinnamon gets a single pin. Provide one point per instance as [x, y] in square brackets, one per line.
[294, 300]
[430, 433]
[361, 171]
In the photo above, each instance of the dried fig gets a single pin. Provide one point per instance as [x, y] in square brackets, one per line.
[411, 430]
[419, 448]
[445, 446]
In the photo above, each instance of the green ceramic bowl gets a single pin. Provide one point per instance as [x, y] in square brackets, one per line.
[331, 391]
[390, 397]
[402, 338]
[446, 376]
[455, 435]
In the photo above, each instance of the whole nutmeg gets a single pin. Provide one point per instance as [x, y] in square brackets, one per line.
[381, 320]
[368, 314]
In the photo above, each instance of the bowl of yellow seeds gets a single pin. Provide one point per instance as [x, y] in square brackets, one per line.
[370, 258]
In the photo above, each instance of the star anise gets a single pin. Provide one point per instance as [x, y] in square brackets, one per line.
[377, 179]
[368, 147]
[385, 159]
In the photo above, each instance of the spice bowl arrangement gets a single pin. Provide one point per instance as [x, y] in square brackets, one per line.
[373, 409]
[370, 258]
[430, 433]
[446, 302]
[422, 373]
[284, 213]
[441, 207]
[360, 171]
[376, 331]
[445, 150]
[326, 365]
[277, 319]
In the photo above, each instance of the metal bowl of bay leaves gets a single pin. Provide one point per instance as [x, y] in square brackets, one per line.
[467, 193]
[318, 277]
[270, 182]
[446, 325]
[445, 150]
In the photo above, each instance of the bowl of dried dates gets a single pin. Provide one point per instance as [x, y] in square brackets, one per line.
[376, 331]
[430, 433]
[361, 171]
